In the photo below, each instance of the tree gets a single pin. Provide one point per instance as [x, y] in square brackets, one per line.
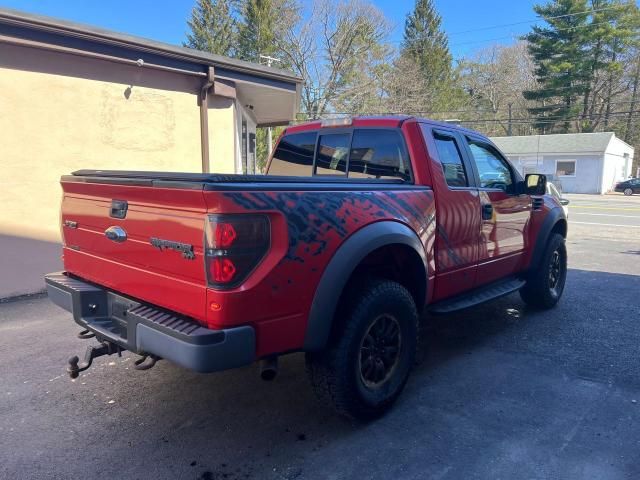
[579, 62]
[425, 52]
[263, 21]
[340, 52]
[494, 78]
[212, 27]
[260, 33]
[426, 44]
[561, 70]
[257, 30]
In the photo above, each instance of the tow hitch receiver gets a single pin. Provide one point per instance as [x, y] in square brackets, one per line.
[105, 348]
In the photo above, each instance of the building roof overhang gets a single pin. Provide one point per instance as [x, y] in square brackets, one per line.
[273, 93]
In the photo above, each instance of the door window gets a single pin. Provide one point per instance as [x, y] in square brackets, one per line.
[493, 170]
[451, 160]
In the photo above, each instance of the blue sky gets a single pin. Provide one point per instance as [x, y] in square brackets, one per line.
[166, 20]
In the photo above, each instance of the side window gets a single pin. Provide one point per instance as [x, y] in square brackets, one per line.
[333, 151]
[294, 155]
[451, 160]
[493, 170]
[378, 153]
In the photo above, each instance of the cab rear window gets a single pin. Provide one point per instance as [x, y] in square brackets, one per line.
[374, 153]
[294, 155]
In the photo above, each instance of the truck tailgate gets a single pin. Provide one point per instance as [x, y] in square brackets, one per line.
[154, 252]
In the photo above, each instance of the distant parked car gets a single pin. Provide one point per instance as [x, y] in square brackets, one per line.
[554, 192]
[629, 187]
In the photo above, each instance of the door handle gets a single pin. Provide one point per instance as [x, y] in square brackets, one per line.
[487, 211]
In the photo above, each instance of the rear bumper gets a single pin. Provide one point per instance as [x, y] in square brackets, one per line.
[143, 328]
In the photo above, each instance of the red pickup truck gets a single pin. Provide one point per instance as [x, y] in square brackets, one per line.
[359, 226]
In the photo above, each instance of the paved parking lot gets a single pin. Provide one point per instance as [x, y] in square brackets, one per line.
[500, 392]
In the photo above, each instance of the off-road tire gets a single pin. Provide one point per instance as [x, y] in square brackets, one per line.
[540, 291]
[337, 372]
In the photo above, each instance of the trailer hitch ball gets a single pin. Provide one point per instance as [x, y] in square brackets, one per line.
[106, 348]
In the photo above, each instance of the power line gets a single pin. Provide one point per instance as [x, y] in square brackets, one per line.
[635, 114]
[474, 42]
[539, 19]
[439, 112]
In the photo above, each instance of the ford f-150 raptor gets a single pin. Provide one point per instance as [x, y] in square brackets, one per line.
[359, 226]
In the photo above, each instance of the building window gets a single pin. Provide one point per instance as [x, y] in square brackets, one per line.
[566, 168]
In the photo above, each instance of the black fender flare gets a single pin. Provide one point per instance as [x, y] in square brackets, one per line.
[343, 264]
[554, 216]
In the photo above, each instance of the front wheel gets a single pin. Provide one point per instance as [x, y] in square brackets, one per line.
[371, 352]
[546, 283]
[628, 192]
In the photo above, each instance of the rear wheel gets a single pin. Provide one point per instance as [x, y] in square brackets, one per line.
[546, 283]
[370, 355]
[628, 192]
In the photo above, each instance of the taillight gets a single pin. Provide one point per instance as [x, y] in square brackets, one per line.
[234, 246]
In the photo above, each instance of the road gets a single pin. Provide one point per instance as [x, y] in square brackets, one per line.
[500, 392]
[613, 210]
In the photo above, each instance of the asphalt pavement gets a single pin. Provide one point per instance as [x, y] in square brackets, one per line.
[615, 210]
[501, 392]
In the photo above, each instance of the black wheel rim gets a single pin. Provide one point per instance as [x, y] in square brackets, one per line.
[380, 351]
[555, 272]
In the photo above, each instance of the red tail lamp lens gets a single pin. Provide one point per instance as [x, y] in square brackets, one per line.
[225, 235]
[222, 269]
[234, 246]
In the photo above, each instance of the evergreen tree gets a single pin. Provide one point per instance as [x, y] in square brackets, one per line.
[212, 27]
[561, 68]
[257, 32]
[260, 33]
[579, 60]
[426, 44]
[425, 50]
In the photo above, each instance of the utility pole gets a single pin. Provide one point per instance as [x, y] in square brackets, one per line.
[509, 131]
[269, 60]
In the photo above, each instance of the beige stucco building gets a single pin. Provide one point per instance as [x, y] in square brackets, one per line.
[74, 97]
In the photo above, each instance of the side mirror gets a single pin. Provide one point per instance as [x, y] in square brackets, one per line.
[535, 184]
[564, 201]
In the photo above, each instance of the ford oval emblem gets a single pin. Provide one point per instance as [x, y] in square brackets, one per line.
[116, 234]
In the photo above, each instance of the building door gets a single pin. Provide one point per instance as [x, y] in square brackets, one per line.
[243, 146]
[252, 153]
[505, 213]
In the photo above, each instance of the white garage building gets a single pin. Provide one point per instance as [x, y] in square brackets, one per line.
[577, 162]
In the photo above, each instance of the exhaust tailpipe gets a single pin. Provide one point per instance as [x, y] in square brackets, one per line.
[268, 368]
